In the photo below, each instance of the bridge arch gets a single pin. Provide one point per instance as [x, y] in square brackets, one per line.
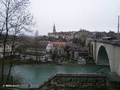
[102, 56]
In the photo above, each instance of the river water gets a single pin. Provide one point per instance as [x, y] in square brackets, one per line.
[37, 74]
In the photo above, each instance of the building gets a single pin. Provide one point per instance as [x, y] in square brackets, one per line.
[61, 35]
[32, 50]
[49, 47]
[58, 47]
[8, 49]
[83, 34]
[54, 34]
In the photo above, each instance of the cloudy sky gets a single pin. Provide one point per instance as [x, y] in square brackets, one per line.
[72, 15]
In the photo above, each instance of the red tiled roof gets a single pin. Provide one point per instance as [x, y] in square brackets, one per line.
[58, 44]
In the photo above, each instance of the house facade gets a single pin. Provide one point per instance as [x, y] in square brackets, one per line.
[8, 49]
[49, 47]
[58, 47]
[83, 34]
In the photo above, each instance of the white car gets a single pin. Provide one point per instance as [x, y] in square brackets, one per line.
[49, 60]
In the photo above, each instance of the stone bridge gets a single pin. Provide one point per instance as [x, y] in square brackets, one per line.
[106, 53]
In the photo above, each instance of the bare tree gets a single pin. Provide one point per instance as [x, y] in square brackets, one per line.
[14, 20]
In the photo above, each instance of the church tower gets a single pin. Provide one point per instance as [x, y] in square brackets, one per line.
[54, 29]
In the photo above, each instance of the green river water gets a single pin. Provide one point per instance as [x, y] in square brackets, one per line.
[37, 74]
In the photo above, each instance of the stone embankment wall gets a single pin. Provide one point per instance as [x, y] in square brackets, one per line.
[68, 81]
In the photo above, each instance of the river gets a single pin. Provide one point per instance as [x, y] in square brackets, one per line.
[36, 74]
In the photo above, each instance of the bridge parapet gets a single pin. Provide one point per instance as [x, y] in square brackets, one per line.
[112, 42]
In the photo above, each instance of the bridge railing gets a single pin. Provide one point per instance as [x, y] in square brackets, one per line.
[113, 42]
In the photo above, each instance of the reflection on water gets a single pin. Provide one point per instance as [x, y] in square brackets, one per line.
[35, 74]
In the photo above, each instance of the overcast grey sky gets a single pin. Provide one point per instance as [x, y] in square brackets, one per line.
[71, 15]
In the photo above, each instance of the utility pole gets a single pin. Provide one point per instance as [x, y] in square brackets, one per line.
[118, 29]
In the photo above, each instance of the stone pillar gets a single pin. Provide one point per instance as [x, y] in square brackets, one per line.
[94, 50]
[111, 55]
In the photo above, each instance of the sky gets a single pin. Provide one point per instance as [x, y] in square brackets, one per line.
[73, 15]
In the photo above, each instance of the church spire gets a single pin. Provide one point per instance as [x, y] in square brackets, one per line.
[54, 29]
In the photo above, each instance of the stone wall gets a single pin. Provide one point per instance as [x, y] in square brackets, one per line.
[68, 81]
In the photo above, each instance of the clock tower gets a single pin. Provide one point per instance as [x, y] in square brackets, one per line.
[54, 29]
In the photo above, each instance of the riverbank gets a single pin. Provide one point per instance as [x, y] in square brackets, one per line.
[19, 62]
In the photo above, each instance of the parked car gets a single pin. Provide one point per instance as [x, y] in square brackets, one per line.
[49, 60]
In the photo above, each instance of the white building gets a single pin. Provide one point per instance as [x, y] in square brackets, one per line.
[49, 47]
[8, 49]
